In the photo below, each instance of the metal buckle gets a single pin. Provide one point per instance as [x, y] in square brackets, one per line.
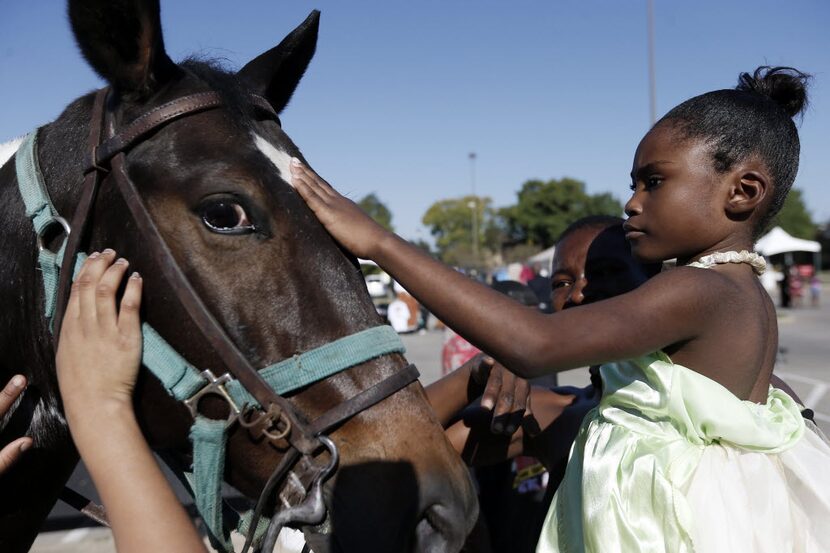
[55, 219]
[215, 386]
[266, 423]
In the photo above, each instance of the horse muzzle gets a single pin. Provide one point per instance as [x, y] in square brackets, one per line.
[438, 521]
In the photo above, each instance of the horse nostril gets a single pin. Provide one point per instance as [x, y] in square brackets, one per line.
[440, 529]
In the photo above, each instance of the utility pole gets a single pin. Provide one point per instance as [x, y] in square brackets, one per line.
[474, 205]
[652, 86]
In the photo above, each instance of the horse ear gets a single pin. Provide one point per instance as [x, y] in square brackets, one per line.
[276, 73]
[122, 41]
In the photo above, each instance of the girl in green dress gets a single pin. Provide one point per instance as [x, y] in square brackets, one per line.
[690, 449]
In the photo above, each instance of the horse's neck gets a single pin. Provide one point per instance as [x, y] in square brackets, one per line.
[25, 340]
[62, 146]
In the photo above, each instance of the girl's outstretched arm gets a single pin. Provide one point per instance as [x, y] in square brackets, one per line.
[668, 309]
[468, 307]
[98, 359]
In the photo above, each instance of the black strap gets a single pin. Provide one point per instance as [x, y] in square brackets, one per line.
[84, 506]
[365, 399]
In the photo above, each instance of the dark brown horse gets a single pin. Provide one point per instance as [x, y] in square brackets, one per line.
[215, 184]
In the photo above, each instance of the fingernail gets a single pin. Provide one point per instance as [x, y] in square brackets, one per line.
[109, 251]
[489, 360]
[487, 404]
[18, 381]
[121, 261]
[93, 255]
[25, 445]
[296, 161]
[135, 275]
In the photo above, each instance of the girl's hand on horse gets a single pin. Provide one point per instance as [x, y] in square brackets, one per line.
[12, 452]
[502, 392]
[343, 218]
[99, 351]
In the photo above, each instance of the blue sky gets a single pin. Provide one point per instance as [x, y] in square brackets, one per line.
[399, 93]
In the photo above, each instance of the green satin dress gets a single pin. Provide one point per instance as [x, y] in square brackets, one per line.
[671, 461]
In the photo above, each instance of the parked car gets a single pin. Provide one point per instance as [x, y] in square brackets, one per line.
[380, 292]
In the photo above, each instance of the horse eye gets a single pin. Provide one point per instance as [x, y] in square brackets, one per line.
[226, 217]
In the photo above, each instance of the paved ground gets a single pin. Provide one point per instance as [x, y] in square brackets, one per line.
[804, 364]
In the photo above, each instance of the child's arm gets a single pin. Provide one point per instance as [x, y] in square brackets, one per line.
[98, 359]
[670, 308]
[452, 393]
[504, 396]
[536, 435]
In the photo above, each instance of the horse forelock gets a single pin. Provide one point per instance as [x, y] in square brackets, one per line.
[235, 97]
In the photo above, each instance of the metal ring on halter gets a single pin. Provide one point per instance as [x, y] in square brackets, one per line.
[215, 386]
[333, 453]
[55, 219]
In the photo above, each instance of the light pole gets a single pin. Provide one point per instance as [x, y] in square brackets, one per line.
[652, 86]
[474, 205]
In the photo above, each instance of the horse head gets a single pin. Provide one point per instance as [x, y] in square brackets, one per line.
[217, 186]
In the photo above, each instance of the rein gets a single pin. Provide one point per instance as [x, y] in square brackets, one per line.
[254, 397]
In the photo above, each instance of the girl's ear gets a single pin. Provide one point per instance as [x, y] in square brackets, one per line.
[747, 191]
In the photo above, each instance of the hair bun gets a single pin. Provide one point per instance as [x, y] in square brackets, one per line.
[785, 86]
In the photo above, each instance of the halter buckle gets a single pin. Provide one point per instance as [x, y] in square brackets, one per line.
[271, 423]
[215, 386]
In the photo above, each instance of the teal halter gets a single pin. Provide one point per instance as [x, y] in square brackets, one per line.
[180, 378]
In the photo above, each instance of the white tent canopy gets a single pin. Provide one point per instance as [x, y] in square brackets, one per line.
[780, 241]
[544, 257]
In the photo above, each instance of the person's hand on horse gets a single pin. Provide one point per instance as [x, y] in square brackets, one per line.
[343, 218]
[12, 452]
[502, 392]
[99, 351]
[98, 358]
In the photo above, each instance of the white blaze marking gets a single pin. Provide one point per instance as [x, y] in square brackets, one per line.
[280, 159]
[7, 149]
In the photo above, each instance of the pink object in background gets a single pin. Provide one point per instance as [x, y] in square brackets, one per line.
[455, 352]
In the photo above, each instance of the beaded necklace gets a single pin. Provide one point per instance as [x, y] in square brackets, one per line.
[758, 263]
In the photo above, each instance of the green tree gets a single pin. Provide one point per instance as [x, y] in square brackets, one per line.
[545, 209]
[451, 223]
[377, 210]
[794, 217]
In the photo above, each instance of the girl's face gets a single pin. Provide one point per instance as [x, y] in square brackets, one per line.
[675, 210]
[592, 264]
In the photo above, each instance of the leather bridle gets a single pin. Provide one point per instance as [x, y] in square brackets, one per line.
[275, 418]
